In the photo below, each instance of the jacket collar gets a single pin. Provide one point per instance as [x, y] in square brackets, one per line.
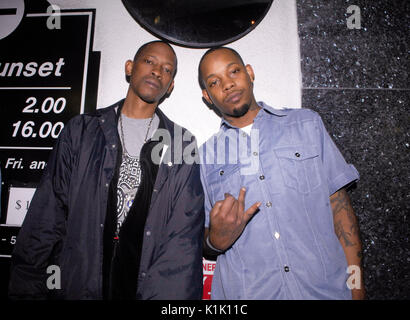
[109, 123]
[107, 115]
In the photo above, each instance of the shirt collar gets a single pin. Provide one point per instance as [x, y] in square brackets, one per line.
[264, 109]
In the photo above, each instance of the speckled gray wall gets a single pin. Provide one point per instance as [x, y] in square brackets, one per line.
[358, 80]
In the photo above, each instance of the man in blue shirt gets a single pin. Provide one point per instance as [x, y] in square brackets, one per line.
[294, 234]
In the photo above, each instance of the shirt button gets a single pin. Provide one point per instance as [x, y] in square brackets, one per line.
[221, 173]
[169, 164]
[103, 120]
[143, 274]
[286, 268]
[255, 153]
[262, 177]
[277, 235]
[297, 154]
[244, 134]
[107, 185]
[269, 204]
[113, 146]
[148, 233]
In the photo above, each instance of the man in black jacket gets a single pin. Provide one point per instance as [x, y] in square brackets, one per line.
[118, 218]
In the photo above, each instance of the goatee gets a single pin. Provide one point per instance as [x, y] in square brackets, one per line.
[241, 111]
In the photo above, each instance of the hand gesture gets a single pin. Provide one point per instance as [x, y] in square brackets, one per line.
[228, 219]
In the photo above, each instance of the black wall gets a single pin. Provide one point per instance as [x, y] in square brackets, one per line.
[357, 79]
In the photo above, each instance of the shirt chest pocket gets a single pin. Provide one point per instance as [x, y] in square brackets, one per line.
[224, 179]
[299, 167]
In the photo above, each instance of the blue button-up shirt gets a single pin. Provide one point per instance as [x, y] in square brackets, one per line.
[289, 249]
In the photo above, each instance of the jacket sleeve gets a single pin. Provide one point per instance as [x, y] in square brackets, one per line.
[177, 273]
[43, 226]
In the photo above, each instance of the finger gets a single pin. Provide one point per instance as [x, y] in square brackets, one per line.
[241, 199]
[216, 208]
[242, 193]
[235, 214]
[227, 204]
[251, 211]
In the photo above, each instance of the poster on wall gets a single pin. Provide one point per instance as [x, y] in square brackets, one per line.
[48, 74]
[18, 204]
[208, 271]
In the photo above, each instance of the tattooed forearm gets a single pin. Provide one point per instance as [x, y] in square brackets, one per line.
[347, 231]
[340, 202]
[342, 209]
[342, 234]
[345, 222]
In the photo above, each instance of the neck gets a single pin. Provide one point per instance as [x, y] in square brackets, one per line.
[135, 107]
[246, 119]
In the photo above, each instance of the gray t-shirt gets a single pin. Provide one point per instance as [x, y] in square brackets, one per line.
[134, 132]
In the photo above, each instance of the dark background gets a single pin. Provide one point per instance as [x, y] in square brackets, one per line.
[358, 80]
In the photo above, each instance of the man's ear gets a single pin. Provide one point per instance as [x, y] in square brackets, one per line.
[250, 72]
[206, 97]
[128, 67]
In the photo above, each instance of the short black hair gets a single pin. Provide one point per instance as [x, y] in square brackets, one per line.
[139, 51]
[200, 80]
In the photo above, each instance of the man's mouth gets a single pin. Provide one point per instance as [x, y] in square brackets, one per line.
[153, 83]
[233, 97]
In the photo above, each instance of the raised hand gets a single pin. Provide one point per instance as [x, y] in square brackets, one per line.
[228, 219]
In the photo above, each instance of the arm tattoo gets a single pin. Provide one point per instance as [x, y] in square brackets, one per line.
[342, 209]
[341, 233]
[340, 202]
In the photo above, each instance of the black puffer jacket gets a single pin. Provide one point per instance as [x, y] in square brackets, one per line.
[68, 223]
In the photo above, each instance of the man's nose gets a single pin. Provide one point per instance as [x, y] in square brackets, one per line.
[156, 71]
[228, 84]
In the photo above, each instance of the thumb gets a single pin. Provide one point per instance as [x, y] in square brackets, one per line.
[251, 211]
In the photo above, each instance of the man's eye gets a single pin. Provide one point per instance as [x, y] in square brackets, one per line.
[148, 61]
[167, 70]
[212, 84]
[235, 70]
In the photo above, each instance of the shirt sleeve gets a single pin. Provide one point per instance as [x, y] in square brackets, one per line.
[339, 173]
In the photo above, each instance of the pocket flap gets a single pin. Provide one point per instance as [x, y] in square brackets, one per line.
[296, 152]
[224, 170]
